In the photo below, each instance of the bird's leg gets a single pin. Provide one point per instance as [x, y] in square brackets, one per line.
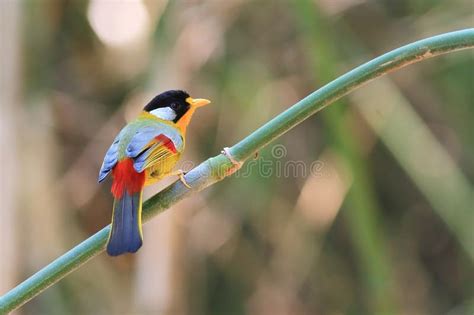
[180, 174]
[237, 164]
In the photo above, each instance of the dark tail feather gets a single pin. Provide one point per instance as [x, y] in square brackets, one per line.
[126, 233]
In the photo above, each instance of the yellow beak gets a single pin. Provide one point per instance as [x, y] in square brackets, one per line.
[198, 102]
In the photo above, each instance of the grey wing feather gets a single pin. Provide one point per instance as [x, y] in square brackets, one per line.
[138, 148]
[142, 137]
[110, 159]
[140, 162]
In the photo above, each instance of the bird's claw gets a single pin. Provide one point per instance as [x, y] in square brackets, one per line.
[180, 174]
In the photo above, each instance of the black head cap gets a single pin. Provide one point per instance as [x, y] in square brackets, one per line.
[176, 99]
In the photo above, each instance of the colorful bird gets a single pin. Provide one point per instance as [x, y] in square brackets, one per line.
[145, 151]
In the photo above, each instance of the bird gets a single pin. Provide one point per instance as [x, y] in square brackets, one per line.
[145, 151]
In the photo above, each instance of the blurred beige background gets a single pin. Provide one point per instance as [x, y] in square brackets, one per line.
[365, 208]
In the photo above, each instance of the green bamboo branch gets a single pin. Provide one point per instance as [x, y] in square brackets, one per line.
[217, 168]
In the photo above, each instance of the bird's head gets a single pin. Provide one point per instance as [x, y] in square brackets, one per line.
[175, 106]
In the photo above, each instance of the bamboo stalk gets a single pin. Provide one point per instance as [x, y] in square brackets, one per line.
[217, 168]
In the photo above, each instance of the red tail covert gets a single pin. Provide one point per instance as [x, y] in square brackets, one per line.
[126, 179]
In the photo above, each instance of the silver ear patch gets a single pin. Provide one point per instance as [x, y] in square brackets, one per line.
[164, 113]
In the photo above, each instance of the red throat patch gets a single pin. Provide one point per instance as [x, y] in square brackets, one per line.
[126, 179]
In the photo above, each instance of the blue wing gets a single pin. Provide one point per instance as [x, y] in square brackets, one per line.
[141, 141]
[110, 159]
[148, 145]
[152, 144]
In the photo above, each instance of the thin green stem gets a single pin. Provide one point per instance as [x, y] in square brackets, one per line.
[217, 168]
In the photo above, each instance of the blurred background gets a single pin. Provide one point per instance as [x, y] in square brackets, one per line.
[368, 206]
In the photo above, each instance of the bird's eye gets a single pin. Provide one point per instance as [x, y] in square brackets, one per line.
[174, 106]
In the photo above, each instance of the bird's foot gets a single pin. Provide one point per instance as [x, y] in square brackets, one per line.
[180, 174]
[237, 164]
